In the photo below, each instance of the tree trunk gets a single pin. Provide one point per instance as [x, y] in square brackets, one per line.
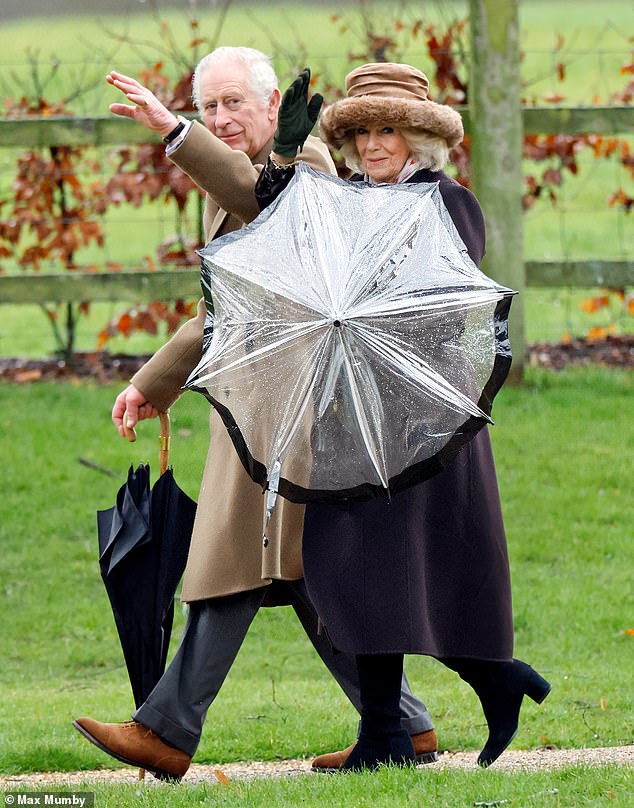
[496, 150]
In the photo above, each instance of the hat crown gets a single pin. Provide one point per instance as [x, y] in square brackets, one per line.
[387, 80]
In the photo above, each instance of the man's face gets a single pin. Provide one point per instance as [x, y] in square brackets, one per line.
[233, 112]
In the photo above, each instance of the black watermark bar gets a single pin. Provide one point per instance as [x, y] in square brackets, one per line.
[81, 799]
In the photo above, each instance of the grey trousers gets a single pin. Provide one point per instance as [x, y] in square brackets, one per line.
[215, 629]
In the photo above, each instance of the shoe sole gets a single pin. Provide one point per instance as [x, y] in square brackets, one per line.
[158, 773]
[537, 694]
[425, 757]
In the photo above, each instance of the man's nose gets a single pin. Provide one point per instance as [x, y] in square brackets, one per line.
[222, 116]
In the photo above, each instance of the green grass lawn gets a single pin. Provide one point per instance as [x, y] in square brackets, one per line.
[579, 787]
[565, 453]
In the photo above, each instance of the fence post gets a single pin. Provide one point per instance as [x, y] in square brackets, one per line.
[496, 150]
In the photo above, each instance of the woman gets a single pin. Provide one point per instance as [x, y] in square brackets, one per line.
[427, 572]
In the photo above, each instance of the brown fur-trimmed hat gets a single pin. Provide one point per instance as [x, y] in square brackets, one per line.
[387, 93]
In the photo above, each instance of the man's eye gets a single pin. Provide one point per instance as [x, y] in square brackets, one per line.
[234, 103]
[211, 107]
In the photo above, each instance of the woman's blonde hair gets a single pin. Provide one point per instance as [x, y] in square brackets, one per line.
[431, 151]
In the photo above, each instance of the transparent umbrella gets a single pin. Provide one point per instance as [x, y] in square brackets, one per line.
[352, 346]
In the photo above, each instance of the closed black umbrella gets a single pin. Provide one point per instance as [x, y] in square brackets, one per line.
[143, 545]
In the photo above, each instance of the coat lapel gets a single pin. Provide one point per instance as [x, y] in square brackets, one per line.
[219, 219]
[217, 223]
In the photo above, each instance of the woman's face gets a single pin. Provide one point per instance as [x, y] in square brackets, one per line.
[383, 151]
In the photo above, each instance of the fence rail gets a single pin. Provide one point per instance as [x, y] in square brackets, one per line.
[168, 284]
[106, 130]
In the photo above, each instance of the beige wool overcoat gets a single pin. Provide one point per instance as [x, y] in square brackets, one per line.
[227, 553]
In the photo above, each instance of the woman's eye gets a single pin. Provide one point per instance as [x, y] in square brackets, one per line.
[362, 131]
[387, 130]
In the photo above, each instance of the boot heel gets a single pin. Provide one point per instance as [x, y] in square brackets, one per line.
[536, 687]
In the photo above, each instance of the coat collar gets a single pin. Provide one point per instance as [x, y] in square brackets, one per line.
[422, 175]
[221, 215]
[261, 156]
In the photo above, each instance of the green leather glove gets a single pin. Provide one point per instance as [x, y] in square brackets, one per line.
[296, 117]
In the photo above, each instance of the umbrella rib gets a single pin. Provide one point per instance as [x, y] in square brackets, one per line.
[406, 230]
[428, 380]
[360, 414]
[268, 282]
[461, 299]
[292, 428]
[260, 353]
[318, 246]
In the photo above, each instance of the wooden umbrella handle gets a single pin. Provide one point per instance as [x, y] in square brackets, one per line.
[164, 442]
[164, 438]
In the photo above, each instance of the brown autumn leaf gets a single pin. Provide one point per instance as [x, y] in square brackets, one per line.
[596, 333]
[145, 322]
[221, 776]
[553, 176]
[553, 98]
[25, 376]
[124, 324]
[102, 338]
[603, 704]
[528, 200]
[594, 304]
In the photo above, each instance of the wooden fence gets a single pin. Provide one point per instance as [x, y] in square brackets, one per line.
[167, 284]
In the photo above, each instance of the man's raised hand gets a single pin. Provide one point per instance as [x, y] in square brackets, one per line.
[147, 109]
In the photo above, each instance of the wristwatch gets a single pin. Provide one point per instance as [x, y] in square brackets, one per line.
[174, 133]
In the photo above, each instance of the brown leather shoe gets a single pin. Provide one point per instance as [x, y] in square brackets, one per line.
[137, 745]
[425, 748]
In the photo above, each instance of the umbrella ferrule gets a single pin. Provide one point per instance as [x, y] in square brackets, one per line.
[271, 497]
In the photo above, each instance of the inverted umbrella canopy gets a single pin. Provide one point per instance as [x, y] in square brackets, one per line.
[143, 545]
[355, 345]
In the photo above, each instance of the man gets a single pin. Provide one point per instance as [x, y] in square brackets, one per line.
[230, 571]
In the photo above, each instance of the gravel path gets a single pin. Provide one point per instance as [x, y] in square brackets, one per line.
[532, 760]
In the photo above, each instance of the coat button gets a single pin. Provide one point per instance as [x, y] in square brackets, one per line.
[265, 542]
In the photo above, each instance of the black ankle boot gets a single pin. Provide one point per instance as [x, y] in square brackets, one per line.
[382, 739]
[501, 687]
[372, 751]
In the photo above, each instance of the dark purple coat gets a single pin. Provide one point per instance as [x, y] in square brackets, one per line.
[426, 573]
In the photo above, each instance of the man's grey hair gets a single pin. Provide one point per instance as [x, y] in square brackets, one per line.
[260, 74]
[430, 150]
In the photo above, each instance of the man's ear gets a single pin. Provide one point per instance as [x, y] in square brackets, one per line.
[274, 105]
